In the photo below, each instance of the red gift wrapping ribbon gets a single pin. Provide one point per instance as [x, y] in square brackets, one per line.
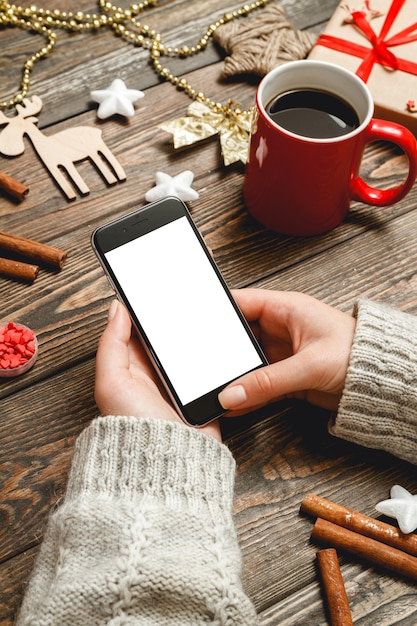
[379, 53]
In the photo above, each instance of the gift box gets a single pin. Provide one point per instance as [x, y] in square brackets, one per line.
[378, 42]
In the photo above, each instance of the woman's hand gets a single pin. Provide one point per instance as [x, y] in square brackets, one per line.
[126, 383]
[307, 344]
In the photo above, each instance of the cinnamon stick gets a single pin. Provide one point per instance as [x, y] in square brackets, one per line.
[33, 250]
[368, 526]
[366, 548]
[13, 187]
[18, 270]
[334, 588]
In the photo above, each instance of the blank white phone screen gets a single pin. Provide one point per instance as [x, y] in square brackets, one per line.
[183, 309]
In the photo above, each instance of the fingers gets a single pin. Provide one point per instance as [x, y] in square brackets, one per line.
[251, 302]
[275, 311]
[124, 384]
[268, 384]
[306, 341]
[125, 381]
[113, 352]
[112, 358]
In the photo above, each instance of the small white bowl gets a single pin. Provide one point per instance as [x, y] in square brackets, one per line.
[9, 372]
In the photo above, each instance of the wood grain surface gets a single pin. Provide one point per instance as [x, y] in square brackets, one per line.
[283, 451]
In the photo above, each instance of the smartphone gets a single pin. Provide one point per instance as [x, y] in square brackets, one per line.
[185, 316]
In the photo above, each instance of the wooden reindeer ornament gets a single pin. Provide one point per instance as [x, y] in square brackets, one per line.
[61, 151]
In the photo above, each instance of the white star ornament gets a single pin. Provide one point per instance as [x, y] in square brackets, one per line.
[178, 186]
[116, 99]
[402, 506]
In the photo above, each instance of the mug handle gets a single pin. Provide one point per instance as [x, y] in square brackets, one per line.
[397, 134]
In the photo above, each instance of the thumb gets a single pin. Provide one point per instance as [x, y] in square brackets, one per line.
[267, 384]
[112, 352]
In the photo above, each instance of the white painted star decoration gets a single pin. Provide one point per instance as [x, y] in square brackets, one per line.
[178, 186]
[116, 99]
[402, 506]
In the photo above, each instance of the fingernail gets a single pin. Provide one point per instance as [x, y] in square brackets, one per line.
[232, 397]
[112, 310]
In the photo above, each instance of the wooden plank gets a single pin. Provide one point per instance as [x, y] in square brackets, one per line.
[14, 575]
[58, 304]
[37, 438]
[286, 454]
[380, 265]
[279, 461]
[338, 288]
[282, 451]
[67, 310]
[142, 149]
[66, 77]
[373, 598]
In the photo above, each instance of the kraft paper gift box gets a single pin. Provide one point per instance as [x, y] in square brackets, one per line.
[381, 49]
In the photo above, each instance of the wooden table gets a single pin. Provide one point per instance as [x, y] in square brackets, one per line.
[283, 451]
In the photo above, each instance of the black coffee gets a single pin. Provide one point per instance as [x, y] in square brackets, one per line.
[313, 113]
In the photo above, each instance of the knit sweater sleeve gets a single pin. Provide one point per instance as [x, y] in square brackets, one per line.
[144, 535]
[378, 408]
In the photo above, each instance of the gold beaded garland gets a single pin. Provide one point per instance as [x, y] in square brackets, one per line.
[124, 24]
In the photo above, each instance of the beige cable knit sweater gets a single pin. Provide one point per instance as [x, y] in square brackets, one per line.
[145, 534]
[378, 408]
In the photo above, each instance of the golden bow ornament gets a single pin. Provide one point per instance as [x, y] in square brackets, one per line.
[231, 123]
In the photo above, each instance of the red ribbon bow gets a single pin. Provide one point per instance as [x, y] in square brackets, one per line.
[379, 53]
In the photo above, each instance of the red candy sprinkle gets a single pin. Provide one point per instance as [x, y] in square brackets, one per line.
[17, 345]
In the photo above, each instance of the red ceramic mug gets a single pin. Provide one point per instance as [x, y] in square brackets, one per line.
[300, 184]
